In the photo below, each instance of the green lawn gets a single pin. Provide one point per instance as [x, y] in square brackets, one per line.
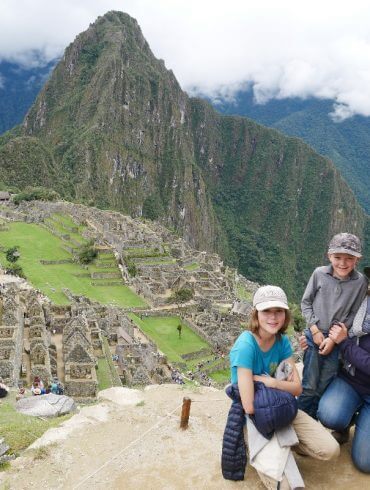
[103, 374]
[35, 243]
[21, 430]
[192, 267]
[243, 294]
[222, 376]
[163, 331]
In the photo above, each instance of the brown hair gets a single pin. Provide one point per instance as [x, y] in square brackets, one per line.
[253, 324]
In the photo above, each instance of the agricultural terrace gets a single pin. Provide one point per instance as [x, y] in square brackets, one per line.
[163, 331]
[37, 243]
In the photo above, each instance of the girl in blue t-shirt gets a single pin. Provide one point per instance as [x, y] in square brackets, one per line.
[258, 351]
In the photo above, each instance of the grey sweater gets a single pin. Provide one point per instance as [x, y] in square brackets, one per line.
[327, 298]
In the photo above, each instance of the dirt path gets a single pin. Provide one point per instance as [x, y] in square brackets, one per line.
[140, 446]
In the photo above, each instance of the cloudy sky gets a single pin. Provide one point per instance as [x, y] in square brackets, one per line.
[283, 48]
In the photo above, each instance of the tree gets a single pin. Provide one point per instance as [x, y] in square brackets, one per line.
[131, 268]
[87, 253]
[14, 270]
[181, 296]
[297, 318]
[12, 254]
[36, 193]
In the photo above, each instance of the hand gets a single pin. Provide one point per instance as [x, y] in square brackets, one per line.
[303, 342]
[268, 381]
[338, 333]
[326, 346]
[318, 337]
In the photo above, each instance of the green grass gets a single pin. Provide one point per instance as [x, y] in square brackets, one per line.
[35, 243]
[21, 430]
[192, 267]
[103, 374]
[154, 261]
[163, 331]
[64, 231]
[222, 376]
[242, 293]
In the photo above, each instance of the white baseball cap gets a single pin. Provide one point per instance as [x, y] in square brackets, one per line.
[270, 297]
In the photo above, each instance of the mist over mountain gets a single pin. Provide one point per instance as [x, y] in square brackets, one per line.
[112, 128]
[346, 143]
[19, 86]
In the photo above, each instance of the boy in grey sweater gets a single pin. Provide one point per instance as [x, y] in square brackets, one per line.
[332, 296]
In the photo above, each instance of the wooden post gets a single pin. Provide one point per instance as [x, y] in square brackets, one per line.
[185, 412]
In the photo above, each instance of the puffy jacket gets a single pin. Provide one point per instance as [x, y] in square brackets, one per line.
[234, 455]
[273, 410]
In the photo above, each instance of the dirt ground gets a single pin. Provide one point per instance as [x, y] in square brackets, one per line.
[133, 441]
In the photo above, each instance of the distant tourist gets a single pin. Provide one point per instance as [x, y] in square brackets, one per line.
[179, 329]
[60, 388]
[332, 296]
[38, 387]
[4, 390]
[21, 393]
[54, 386]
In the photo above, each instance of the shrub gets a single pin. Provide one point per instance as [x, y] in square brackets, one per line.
[12, 254]
[14, 270]
[181, 295]
[297, 319]
[87, 253]
[152, 207]
[131, 269]
[36, 193]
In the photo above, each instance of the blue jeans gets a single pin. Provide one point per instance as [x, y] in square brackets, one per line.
[318, 371]
[337, 407]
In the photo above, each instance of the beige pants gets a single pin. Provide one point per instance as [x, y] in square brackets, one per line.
[314, 441]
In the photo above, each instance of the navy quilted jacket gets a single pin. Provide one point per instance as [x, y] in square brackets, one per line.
[234, 455]
[273, 410]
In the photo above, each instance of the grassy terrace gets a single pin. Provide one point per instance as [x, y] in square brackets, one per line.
[163, 331]
[243, 294]
[21, 430]
[192, 267]
[36, 243]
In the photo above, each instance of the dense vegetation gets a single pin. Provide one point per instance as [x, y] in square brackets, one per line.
[346, 143]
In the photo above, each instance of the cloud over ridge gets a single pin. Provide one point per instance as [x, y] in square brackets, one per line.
[280, 49]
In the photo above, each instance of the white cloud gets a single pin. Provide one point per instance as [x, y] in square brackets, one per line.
[282, 49]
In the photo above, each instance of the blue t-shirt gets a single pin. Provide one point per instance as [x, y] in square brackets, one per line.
[246, 353]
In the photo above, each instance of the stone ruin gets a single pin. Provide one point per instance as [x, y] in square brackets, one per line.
[177, 266]
[11, 335]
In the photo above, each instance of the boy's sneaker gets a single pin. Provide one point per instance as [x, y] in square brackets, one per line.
[341, 436]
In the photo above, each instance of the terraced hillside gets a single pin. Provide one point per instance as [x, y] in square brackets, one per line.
[48, 258]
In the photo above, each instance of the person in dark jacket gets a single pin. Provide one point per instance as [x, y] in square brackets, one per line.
[347, 398]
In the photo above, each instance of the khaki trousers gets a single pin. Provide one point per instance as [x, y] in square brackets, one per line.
[314, 441]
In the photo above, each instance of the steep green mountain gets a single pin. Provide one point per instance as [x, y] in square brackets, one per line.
[19, 87]
[346, 143]
[113, 128]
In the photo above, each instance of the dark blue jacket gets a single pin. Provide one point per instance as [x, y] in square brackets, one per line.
[273, 410]
[234, 455]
